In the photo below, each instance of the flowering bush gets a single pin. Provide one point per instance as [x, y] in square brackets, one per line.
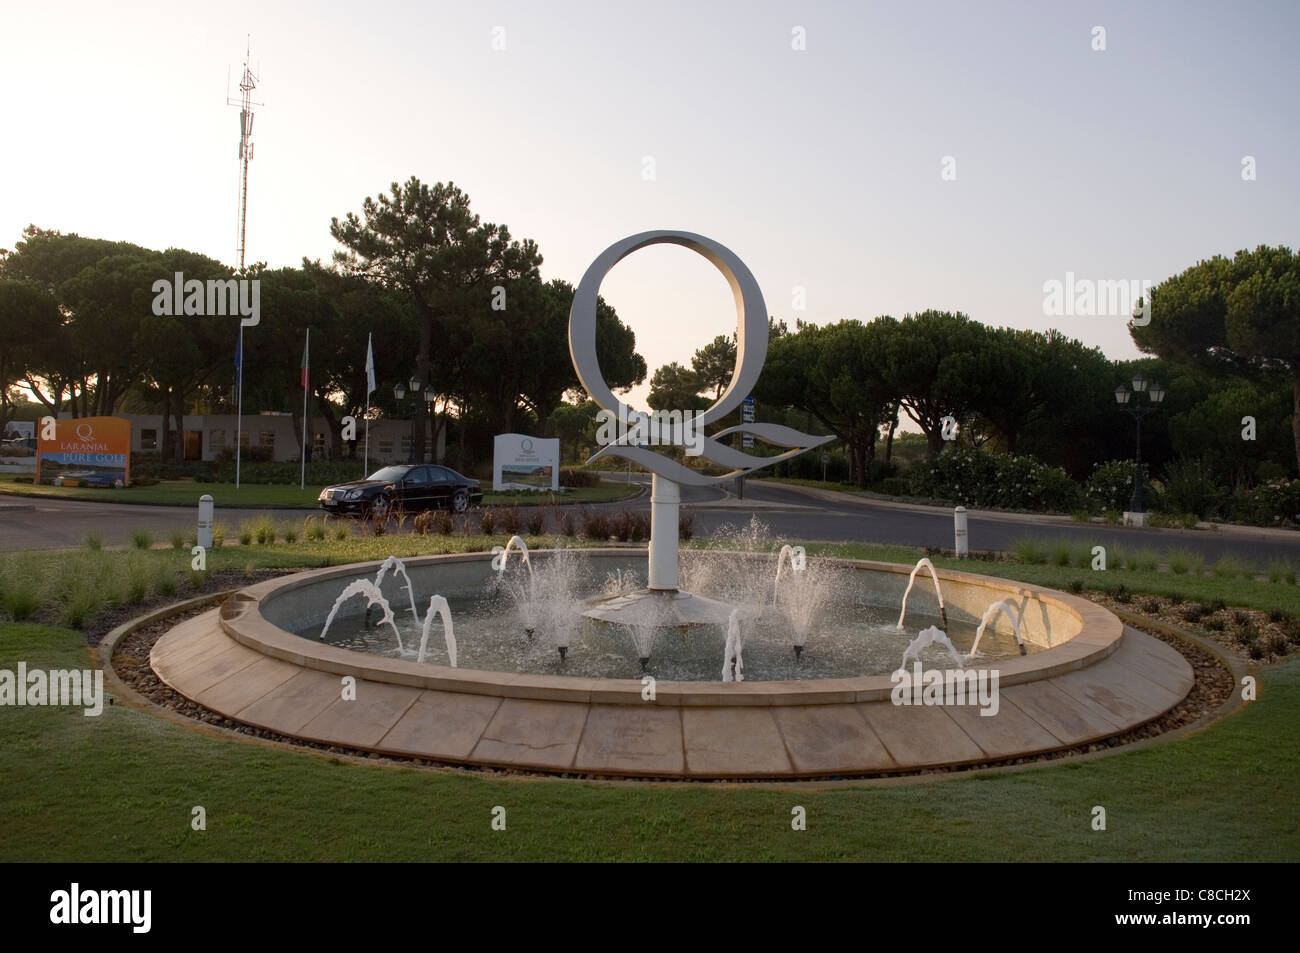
[1110, 486]
[1274, 503]
[974, 477]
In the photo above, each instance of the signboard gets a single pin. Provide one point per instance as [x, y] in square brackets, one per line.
[520, 462]
[85, 451]
[747, 417]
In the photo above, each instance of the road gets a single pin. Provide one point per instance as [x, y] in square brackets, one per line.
[791, 512]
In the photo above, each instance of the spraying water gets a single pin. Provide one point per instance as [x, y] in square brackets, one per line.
[923, 562]
[364, 587]
[527, 602]
[785, 556]
[399, 569]
[931, 636]
[733, 656]
[1004, 606]
[438, 607]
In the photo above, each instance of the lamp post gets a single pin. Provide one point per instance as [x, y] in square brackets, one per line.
[1138, 409]
[428, 393]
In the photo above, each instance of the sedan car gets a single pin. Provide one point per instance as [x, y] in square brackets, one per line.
[406, 487]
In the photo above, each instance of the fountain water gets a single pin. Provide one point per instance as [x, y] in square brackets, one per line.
[931, 636]
[806, 593]
[991, 613]
[364, 587]
[923, 562]
[399, 569]
[785, 556]
[733, 656]
[438, 607]
[527, 602]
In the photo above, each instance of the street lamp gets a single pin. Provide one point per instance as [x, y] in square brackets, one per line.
[1124, 398]
[416, 391]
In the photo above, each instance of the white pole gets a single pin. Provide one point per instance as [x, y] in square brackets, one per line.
[365, 456]
[306, 352]
[665, 500]
[959, 531]
[239, 419]
[204, 537]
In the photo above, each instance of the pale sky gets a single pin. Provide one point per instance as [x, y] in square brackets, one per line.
[819, 167]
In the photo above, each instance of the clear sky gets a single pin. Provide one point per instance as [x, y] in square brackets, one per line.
[821, 167]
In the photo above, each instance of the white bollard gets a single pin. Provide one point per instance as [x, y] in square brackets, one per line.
[205, 521]
[959, 528]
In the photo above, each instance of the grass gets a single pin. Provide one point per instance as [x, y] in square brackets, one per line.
[254, 495]
[121, 786]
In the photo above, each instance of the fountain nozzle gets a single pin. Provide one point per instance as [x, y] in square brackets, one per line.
[798, 653]
[563, 652]
[528, 631]
[944, 612]
[645, 663]
[1022, 649]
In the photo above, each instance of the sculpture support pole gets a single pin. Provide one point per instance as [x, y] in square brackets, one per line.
[665, 498]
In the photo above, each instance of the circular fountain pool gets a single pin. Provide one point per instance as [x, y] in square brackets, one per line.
[518, 618]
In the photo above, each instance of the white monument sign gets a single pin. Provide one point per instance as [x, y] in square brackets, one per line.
[520, 462]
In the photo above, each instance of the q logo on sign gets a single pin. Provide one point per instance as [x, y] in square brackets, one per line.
[751, 352]
[85, 432]
[526, 445]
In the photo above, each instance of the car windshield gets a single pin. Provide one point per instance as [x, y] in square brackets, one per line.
[388, 474]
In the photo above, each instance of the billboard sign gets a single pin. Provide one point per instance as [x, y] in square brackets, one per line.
[520, 462]
[85, 451]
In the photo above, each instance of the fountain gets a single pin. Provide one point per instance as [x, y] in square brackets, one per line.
[931, 636]
[943, 611]
[733, 656]
[1003, 606]
[438, 606]
[526, 603]
[364, 587]
[805, 594]
[399, 569]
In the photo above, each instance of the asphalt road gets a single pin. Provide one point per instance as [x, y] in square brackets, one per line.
[29, 523]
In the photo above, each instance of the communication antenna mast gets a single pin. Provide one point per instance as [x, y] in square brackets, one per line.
[247, 83]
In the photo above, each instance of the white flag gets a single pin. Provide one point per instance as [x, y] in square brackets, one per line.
[370, 367]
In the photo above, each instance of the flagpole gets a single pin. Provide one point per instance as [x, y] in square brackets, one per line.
[365, 457]
[306, 350]
[239, 419]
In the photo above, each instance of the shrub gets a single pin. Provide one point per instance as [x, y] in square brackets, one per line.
[141, 539]
[313, 528]
[1230, 567]
[566, 524]
[423, 523]
[443, 522]
[245, 536]
[512, 521]
[894, 486]
[1274, 503]
[1150, 606]
[1180, 561]
[1075, 586]
[1121, 593]
[596, 526]
[487, 522]
[1144, 560]
[1060, 553]
[975, 477]
[21, 599]
[94, 542]
[1029, 550]
[578, 479]
[536, 521]
[290, 533]
[1194, 612]
[341, 532]
[166, 584]
[218, 534]
[685, 525]
[1190, 487]
[1110, 485]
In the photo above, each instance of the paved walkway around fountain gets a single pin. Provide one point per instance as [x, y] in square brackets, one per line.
[678, 736]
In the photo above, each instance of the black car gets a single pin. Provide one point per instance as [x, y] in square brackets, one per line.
[408, 487]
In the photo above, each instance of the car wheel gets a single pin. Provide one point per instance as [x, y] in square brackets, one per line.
[381, 507]
[460, 501]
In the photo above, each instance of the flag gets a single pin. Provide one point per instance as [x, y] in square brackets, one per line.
[370, 367]
[304, 360]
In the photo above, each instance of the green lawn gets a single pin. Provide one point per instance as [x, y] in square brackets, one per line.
[187, 493]
[121, 787]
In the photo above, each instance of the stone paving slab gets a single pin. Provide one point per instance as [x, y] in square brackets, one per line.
[441, 725]
[733, 742]
[917, 736]
[830, 739]
[1006, 734]
[362, 721]
[1071, 720]
[240, 690]
[532, 733]
[619, 739]
[289, 706]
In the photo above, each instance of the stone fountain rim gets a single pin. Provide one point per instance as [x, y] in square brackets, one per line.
[241, 619]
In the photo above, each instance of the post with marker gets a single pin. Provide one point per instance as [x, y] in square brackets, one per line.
[205, 522]
[962, 546]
